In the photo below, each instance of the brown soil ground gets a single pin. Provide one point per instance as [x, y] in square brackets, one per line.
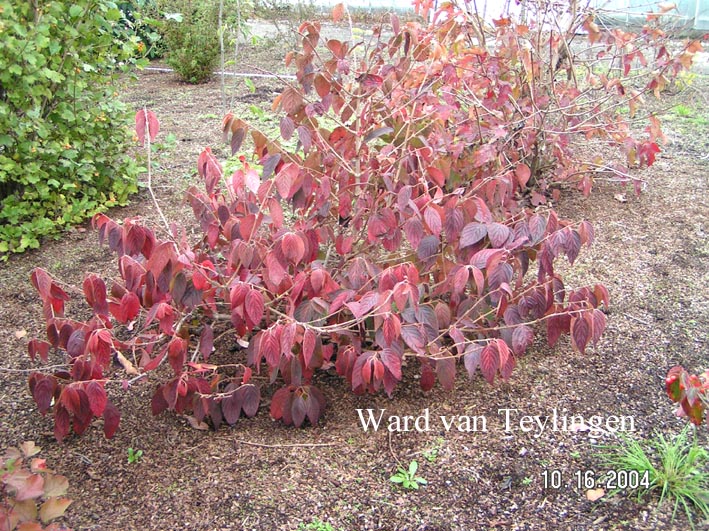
[652, 252]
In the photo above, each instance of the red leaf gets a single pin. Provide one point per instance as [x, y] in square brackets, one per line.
[308, 346]
[337, 12]
[537, 228]
[413, 338]
[428, 376]
[479, 279]
[392, 361]
[498, 234]
[285, 179]
[35, 347]
[489, 362]
[580, 332]
[71, 400]
[251, 398]
[42, 388]
[484, 154]
[287, 127]
[97, 397]
[127, 309]
[288, 339]
[557, 325]
[206, 342]
[437, 176]
[445, 369]
[428, 247]
[370, 80]
[599, 325]
[315, 403]
[391, 328]
[62, 423]
[413, 229]
[433, 220]
[271, 348]
[42, 282]
[95, 293]
[460, 280]
[471, 234]
[601, 294]
[280, 401]
[291, 100]
[471, 359]
[158, 404]
[522, 173]
[28, 486]
[255, 308]
[147, 118]
[111, 419]
[298, 411]
[231, 405]
[322, 85]
[275, 269]
[522, 337]
[177, 354]
[293, 247]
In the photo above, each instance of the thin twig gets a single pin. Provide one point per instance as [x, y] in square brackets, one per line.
[636, 319]
[150, 172]
[295, 445]
[8, 369]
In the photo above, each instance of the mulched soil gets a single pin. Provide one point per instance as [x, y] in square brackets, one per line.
[652, 252]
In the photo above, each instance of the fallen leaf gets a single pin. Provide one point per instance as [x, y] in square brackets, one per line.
[196, 424]
[594, 494]
[126, 364]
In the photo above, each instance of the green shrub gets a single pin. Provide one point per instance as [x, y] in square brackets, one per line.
[142, 19]
[63, 132]
[191, 32]
[192, 39]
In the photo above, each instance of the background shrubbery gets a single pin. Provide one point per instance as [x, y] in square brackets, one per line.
[191, 33]
[62, 129]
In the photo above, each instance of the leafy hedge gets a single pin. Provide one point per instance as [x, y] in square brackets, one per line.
[63, 131]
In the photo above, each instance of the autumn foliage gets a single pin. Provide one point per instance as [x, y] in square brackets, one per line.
[30, 493]
[691, 392]
[403, 218]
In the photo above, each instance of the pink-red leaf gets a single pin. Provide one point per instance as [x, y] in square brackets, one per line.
[111, 420]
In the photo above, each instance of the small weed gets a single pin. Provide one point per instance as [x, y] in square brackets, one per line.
[678, 469]
[527, 481]
[315, 525]
[134, 456]
[683, 110]
[408, 478]
[432, 453]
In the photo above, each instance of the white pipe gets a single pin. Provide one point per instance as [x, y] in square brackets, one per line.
[236, 74]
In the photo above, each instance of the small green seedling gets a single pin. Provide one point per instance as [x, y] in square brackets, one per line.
[408, 478]
[134, 456]
[316, 525]
[432, 453]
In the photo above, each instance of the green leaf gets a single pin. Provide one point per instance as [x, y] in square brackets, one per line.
[413, 467]
[113, 15]
[75, 11]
